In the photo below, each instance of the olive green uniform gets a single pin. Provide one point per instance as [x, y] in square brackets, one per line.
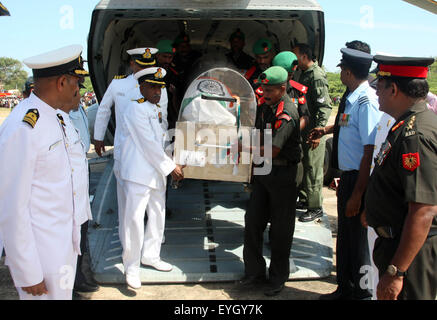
[274, 196]
[405, 172]
[319, 105]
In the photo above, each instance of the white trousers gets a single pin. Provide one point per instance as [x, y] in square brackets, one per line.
[121, 200]
[136, 242]
[371, 238]
[59, 286]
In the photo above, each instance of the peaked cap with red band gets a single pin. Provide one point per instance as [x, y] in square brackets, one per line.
[406, 67]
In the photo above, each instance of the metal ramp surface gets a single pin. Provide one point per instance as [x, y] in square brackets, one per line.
[204, 236]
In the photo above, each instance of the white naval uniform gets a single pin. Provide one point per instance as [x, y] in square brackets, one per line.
[384, 127]
[121, 92]
[36, 202]
[79, 164]
[144, 168]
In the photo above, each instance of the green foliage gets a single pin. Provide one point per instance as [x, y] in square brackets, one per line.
[88, 86]
[336, 87]
[12, 76]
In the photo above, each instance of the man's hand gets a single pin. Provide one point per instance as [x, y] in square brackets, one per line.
[353, 206]
[99, 146]
[177, 174]
[36, 290]
[314, 143]
[389, 287]
[316, 134]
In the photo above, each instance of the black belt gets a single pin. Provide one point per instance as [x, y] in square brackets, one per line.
[388, 232]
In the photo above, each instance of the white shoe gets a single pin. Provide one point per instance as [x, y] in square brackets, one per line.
[133, 281]
[158, 265]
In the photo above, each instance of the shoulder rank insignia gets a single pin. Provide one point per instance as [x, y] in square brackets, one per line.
[120, 77]
[280, 109]
[410, 127]
[298, 86]
[31, 117]
[142, 100]
[396, 127]
[411, 161]
[363, 100]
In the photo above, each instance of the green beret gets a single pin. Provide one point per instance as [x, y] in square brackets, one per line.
[183, 37]
[262, 46]
[165, 46]
[237, 34]
[286, 60]
[273, 76]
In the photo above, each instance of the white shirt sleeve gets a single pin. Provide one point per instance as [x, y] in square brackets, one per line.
[104, 114]
[18, 159]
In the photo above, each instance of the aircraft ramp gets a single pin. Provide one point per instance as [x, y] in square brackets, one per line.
[204, 236]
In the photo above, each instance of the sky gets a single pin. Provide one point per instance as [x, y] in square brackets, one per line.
[388, 26]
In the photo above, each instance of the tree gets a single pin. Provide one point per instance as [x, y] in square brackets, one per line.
[12, 75]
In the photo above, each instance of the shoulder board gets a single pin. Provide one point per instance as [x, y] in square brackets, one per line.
[120, 77]
[299, 86]
[142, 100]
[31, 117]
[411, 128]
[280, 109]
[363, 100]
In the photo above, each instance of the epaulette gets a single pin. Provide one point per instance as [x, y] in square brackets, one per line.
[31, 117]
[280, 109]
[298, 86]
[142, 100]
[123, 76]
[363, 100]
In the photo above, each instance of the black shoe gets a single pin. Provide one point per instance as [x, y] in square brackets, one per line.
[336, 295]
[311, 214]
[85, 287]
[301, 205]
[251, 282]
[273, 290]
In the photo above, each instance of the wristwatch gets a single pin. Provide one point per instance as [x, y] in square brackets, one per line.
[394, 271]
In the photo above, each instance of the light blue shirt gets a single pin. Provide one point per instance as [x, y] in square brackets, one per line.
[80, 121]
[358, 126]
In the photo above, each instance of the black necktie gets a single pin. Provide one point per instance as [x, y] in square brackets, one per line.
[341, 109]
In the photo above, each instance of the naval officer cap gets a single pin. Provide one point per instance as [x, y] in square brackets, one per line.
[357, 58]
[66, 60]
[286, 60]
[404, 67]
[153, 75]
[143, 56]
[273, 76]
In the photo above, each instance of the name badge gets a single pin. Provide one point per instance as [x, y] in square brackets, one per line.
[344, 120]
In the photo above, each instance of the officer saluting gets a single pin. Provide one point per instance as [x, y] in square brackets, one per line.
[401, 200]
[143, 171]
[37, 220]
[274, 195]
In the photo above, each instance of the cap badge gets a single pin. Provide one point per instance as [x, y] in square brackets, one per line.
[147, 54]
[158, 74]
